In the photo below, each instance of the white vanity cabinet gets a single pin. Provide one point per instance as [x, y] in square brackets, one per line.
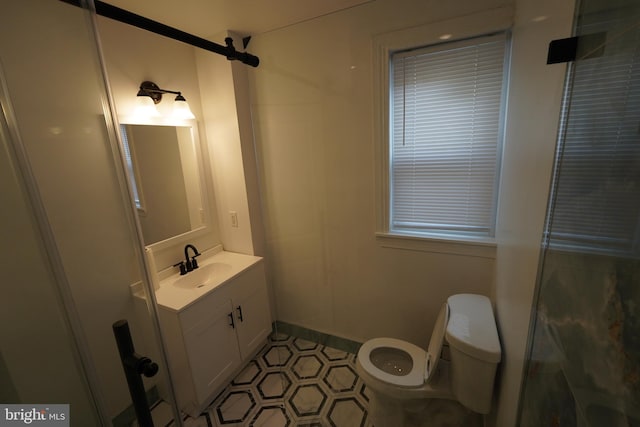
[252, 316]
[209, 341]
[211, 348]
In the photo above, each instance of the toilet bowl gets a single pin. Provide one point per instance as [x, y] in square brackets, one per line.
[403, 376]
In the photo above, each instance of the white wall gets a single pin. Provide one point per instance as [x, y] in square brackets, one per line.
[534, 110]
[227, 119]
[313, 118]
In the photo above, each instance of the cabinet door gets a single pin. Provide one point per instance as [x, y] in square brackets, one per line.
[251, 308]
[212, 350]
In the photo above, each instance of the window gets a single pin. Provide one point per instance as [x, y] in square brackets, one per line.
[446, 127]
[597, 187]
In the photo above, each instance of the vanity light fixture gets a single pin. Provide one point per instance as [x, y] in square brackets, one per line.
[150, 94]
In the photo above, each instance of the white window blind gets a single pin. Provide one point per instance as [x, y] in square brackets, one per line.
[597, 201]
[130, 166]
[446, 130]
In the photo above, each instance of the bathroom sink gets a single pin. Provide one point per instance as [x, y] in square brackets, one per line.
[202, 276]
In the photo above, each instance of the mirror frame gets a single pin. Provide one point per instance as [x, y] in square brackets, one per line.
[195, 235]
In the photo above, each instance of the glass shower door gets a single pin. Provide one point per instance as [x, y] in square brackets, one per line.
[33, 319]
[70, 249]
[584, 360]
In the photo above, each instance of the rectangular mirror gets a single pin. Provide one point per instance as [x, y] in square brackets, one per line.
[165, 171]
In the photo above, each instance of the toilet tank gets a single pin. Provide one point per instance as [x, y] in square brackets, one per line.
[475, 350]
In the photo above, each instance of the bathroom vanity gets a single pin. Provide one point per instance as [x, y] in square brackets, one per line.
[214, 319]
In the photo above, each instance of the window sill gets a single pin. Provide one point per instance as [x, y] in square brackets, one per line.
[482, 248]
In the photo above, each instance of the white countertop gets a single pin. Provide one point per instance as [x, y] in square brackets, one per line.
[176, 299]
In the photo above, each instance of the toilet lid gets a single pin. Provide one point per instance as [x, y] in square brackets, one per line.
[435, 344]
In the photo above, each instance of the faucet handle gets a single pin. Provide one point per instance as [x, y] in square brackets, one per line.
[194, 263]
[183, 268]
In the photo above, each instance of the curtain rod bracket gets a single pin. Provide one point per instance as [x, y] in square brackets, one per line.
[231, 51]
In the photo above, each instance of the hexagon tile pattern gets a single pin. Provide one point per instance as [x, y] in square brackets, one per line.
[293, 382]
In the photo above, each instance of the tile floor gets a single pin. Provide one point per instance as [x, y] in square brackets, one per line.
[293, 382]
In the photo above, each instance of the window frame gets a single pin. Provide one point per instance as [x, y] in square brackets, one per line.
[504, 38]
[487, 22]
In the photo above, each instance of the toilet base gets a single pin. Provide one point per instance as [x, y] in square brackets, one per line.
[385, 411]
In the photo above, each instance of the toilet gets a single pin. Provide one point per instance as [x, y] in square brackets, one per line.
[402, 377]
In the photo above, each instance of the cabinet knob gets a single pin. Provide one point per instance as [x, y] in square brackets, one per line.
[240, 313]
[233, 325]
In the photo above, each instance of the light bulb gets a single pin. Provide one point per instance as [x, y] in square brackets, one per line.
[182, 111]
[145, 108]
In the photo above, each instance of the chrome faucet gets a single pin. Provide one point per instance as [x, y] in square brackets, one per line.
[188, 264]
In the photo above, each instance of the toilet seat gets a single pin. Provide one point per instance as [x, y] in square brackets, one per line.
[424, 363]
[415, 378]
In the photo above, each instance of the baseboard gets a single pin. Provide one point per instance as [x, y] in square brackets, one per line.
[340, 343]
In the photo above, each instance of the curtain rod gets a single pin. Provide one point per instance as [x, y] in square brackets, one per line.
[121, 15]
